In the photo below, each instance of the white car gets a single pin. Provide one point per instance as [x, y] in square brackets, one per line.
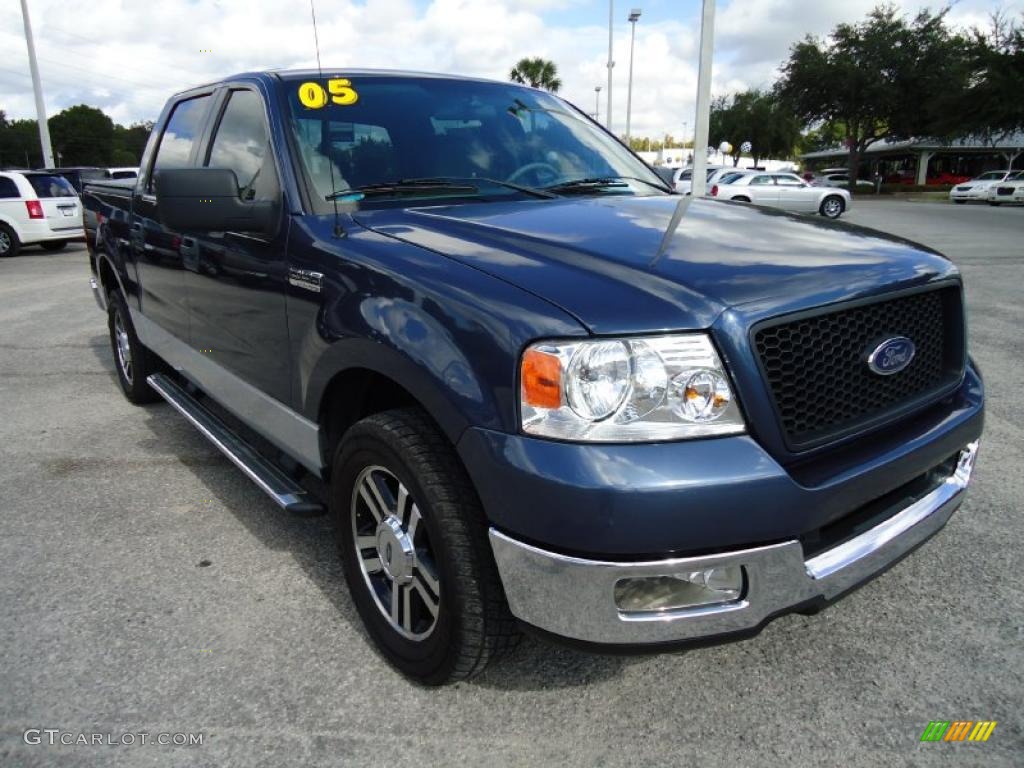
[841, 180]
[977, 189]
[37, 208]
[1010, 191]
[782, 190]
[682, 180]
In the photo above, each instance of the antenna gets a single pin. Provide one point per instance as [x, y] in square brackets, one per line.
[338, 231]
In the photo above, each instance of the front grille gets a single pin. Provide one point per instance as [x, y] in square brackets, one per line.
[816, 366]
[1004, 190]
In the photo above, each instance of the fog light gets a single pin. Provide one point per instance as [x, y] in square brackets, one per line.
[712, 586]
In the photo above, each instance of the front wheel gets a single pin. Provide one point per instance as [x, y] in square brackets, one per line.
[413, 541]
[960, 202]
[993, 203]
[831, 207]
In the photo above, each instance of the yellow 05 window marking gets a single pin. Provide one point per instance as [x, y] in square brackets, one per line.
[313, 95]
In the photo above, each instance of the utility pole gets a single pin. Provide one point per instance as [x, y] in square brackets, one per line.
[700, 131]
[634, 16]
[611, 63]
[37, 86]
[597, 102]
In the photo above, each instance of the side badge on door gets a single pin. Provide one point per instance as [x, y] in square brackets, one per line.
[304, 278]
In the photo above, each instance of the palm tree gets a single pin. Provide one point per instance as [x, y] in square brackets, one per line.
[536, 72]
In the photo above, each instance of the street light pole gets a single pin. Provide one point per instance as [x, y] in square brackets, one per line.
[37, 86]
[634, 16]
[700, 131]
[611, 63]
[597, 102]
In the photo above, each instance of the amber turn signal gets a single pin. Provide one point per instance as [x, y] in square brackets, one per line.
[541, 379]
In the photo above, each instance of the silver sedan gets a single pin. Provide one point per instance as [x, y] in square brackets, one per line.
[782, 190]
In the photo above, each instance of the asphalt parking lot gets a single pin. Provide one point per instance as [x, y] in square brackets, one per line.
[148, 586]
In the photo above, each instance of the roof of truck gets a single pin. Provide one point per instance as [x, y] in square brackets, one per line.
[349, 72]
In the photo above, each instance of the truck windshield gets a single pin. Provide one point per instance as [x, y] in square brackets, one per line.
[495, 140]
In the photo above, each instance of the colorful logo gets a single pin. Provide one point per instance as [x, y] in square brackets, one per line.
[958, 730]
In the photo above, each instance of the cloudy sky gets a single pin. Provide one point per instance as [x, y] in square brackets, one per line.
[127, 56]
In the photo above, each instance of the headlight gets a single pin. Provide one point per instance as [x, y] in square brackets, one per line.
[627, 390]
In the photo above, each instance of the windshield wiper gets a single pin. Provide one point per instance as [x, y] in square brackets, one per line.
[518, 187]
[403, 186]
[596, 182]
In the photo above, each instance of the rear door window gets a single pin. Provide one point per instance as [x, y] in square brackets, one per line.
[761, 181]
[181, 134]
[8, 188]
[784, 180]
[50, 186]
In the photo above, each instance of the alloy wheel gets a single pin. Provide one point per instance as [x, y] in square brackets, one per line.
[833, 208]
[124, 348]
[394, 553]
[5, 243]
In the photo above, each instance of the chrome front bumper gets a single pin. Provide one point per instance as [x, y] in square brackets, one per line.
[573, 597]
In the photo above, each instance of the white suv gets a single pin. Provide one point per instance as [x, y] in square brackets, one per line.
[37, 207]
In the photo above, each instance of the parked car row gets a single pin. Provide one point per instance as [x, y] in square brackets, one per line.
[992, 187]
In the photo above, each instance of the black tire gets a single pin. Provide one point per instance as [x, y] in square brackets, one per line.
[9, 244]
[993, 203]
[832, 207]
[960, 202]
[741, 199]
[134, 363]
[472, 623]
[54, 245]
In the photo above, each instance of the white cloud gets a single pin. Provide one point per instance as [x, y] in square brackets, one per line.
[128, 57]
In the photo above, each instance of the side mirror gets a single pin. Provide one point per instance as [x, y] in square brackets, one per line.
[206, 200]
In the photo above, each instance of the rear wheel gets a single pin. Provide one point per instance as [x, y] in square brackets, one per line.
[9, 244]
[132, 360]
[831, 207]
[741, 199]
[413, 540]
[58, 245]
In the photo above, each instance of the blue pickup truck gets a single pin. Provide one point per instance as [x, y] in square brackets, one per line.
[532, 386]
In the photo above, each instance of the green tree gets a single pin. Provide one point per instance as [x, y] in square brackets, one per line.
[758, 117]
[536, 72]
[878, 79]
[82, 135]
[990, 106]
[19, 145]
[130, 142]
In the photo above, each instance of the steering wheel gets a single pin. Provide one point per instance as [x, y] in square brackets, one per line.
[522, 171]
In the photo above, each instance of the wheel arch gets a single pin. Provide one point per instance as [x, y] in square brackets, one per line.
[366, 388]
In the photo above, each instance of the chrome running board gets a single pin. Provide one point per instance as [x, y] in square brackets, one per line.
[285, 492]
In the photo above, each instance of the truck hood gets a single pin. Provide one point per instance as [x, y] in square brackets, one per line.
[623, 264]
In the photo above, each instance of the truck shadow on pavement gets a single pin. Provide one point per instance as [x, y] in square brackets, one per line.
[533, 665]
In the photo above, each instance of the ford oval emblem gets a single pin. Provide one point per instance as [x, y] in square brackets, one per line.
[891, 356]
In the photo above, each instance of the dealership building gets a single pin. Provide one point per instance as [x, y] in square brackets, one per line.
[927, 159]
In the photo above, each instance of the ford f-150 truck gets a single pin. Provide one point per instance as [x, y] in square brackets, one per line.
[540, 389]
